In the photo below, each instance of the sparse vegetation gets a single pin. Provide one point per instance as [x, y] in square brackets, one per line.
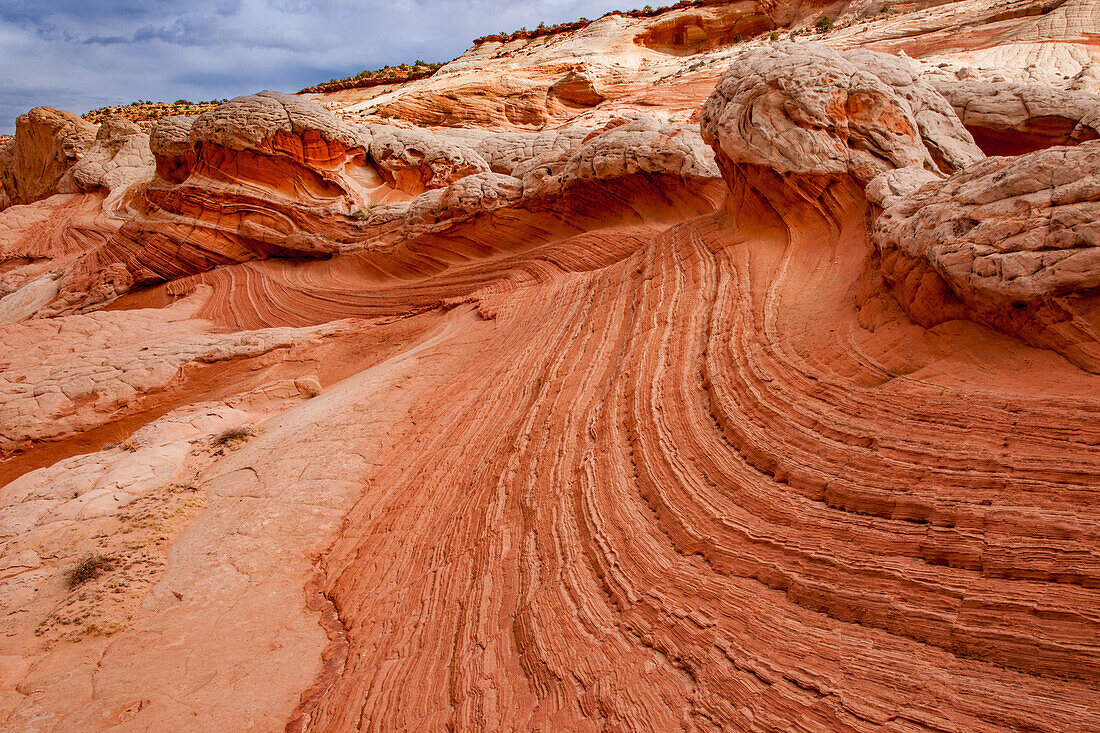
[232, 436]
[103, 629]
[549, 30]
[90, 568]
[144, 112]
[419, 70]
[129, 445]
[373, 77]
[105, 583]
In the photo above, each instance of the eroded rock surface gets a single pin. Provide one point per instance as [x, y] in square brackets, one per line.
[804, 109]
[47, 143]
[1015, 239]
[119, 157]
[1010, 119]
[653, 375]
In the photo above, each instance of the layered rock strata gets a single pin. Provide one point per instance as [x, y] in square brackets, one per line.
[681, 382]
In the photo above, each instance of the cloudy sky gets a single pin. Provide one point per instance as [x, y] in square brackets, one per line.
[83, 54]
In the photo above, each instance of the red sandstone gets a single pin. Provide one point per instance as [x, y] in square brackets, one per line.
[671, 383]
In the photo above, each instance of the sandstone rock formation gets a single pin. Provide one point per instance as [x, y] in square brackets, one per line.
[804, 109]
[119, 158]
[170, 144]
[47, 143]
[634, 377]
[1009, 119]
[218, 200]
[1017, 240]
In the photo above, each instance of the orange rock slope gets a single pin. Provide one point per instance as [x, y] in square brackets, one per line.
[661, 374]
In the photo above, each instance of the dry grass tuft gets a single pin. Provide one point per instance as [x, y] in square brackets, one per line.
[90, 568]
[232, 436]
[129, 445]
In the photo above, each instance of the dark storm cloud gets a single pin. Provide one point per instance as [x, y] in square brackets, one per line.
[189, 31]
[81, 54]
[74, 13]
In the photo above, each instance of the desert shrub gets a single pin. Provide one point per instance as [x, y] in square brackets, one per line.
[129, 445]
[144, 112]
[232, 436]
[90, 568]
[371, 77]
[774, 36]
[824, 24]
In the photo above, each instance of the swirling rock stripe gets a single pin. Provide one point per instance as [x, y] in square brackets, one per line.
[682, 491]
